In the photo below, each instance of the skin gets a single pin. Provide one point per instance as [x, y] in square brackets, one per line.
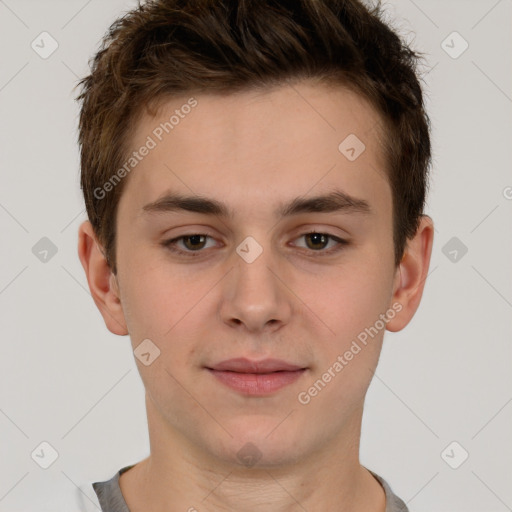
[253, 150]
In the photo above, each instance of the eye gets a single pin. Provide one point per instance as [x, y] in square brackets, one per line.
[318, 242]
[193, 243]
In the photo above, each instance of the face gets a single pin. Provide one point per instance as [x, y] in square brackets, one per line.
[253, 282]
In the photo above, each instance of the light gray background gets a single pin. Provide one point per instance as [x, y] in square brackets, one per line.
[66, 380]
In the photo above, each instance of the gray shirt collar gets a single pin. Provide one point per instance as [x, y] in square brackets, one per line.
[111, 499]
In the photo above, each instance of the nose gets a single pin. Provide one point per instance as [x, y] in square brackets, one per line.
[255, 295]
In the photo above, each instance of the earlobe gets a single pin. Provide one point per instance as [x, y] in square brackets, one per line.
[102, 282]
[411, 276]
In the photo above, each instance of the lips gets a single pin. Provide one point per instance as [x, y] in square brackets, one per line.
[256, 378]
[243, 365]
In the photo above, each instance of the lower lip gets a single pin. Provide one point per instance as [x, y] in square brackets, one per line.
[256, 383]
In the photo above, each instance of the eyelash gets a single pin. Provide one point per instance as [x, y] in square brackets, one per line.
[171, 244]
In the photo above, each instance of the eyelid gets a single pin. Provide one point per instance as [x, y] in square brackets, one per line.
[171, 243]
[341, 243]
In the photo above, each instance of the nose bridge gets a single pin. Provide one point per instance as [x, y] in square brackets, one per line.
[255, 295]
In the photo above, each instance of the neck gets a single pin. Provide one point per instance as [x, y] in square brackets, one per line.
[181, 475]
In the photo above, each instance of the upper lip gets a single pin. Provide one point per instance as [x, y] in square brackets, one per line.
[243, 365]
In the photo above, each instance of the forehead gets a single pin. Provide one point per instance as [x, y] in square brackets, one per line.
[248, 147]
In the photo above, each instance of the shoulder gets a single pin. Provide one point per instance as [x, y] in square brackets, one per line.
[108, 493]
[393, 502]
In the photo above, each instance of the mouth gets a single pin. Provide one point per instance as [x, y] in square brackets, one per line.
[256, 378]
[244, 365]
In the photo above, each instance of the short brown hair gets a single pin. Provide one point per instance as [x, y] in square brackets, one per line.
[165, 48]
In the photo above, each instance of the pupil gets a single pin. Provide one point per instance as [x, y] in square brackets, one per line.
[194, 239]
[319, 238]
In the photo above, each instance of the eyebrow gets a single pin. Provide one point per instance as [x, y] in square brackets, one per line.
[335, 201]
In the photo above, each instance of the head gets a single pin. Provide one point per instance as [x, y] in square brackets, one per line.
[255, 104]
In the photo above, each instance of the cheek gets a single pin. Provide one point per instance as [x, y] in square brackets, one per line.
[353, 296]
[349, 354]
[149, 301]
[350, 303]
[167, 307]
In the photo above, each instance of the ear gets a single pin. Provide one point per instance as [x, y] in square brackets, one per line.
[102, 282]
[411, 275]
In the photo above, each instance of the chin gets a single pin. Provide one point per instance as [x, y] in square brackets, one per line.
[263, 444]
